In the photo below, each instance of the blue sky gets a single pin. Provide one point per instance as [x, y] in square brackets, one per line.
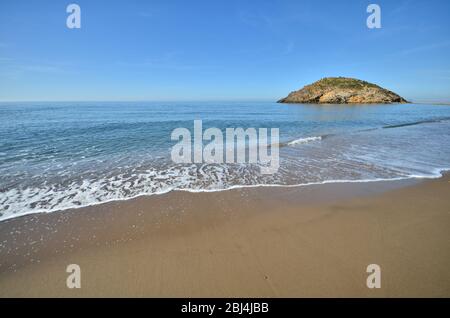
[219, 49]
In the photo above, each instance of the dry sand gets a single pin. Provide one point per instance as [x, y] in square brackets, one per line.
[313, 241]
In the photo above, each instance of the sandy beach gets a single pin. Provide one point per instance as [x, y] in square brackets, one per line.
[311, 241]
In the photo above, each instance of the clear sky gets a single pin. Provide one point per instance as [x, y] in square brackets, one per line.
[219, 49]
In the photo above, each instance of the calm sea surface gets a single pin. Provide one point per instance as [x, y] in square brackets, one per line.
[56, 156]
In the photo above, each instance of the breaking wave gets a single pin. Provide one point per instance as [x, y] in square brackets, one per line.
[304, 140]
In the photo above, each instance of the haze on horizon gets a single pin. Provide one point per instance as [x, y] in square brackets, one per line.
[219, 50]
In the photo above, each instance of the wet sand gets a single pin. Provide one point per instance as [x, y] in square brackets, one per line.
[314, 241]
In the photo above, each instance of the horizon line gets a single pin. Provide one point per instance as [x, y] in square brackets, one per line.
[138, 100]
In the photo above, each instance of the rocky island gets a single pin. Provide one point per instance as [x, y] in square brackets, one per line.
[342, 90]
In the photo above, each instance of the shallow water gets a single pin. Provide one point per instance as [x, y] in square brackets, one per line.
[56, 156]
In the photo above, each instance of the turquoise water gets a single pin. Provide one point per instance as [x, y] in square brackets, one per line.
[56, 156]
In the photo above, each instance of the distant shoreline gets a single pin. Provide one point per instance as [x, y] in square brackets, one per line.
[437, 104]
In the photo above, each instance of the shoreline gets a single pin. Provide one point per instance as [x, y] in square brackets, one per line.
[439, 174]
[249, 242]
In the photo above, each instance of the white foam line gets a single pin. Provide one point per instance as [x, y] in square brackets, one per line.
[304, 140]
[438, 174]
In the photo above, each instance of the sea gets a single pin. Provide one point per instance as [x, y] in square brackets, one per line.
[62, 155]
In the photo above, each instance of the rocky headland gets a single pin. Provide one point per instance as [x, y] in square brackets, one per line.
[342, 90]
